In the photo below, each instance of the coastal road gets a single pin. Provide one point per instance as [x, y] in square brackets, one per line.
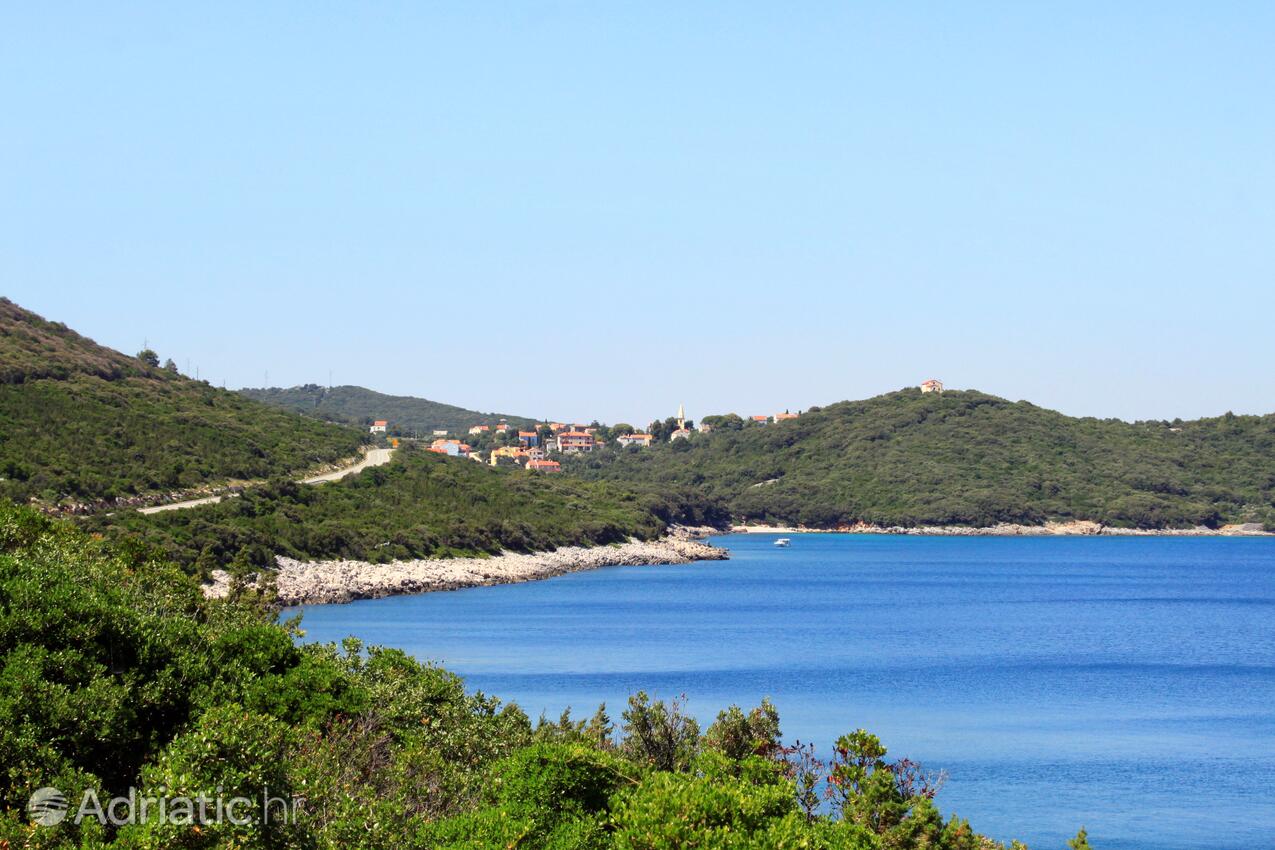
[374, 457]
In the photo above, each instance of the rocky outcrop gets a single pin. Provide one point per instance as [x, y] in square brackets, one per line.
[301, 583]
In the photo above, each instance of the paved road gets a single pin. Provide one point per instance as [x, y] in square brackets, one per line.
[375, 457]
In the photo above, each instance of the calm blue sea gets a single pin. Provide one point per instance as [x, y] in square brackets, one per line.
[1126, 684]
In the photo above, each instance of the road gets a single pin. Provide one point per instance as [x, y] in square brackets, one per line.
[374, 457]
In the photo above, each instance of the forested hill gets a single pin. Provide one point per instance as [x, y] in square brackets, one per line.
[358, 406]
[967, 458]
[80, 422]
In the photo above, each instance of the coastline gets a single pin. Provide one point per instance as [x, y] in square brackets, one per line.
[1077, 528]
[325, 582]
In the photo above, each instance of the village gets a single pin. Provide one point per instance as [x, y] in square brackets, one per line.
[505, 444]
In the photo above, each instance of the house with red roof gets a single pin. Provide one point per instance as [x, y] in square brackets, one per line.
[575, 441]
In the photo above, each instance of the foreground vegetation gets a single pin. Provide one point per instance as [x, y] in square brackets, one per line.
[420, 505]
[117, 674]
[81, 423]
[965, 458]
[407, 415]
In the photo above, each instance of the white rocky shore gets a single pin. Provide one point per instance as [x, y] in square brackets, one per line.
[303, 583]
[1061, 529]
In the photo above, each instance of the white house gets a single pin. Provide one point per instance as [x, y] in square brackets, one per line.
[378, 427]
[932, 386]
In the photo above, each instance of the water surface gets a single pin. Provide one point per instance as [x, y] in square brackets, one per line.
[1127, 684]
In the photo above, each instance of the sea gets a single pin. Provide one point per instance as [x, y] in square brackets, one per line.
[1122, 684]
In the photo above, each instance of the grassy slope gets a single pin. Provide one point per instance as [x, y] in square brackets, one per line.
[81, 422]
[420, 505]
[969, 458]
[359, 406]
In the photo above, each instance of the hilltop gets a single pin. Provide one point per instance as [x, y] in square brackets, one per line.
[83, 423]
[966, 458]
[359, 406]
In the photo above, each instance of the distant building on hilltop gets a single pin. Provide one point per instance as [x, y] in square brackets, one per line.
[480, 429]
[378, 427]
[783, 417]
[529, 438]
[760, 419]
[682, 432]
[933, 385]
[575, 441]
[634, 440]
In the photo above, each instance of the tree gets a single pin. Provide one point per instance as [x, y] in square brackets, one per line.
[1081, 841]
[148, 357]
[170, 366]
[738, 736]
[663, 736]
[875, 793]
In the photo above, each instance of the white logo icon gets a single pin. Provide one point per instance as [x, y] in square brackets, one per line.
[47, 806]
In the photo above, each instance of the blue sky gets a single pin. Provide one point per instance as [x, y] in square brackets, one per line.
[602, 210]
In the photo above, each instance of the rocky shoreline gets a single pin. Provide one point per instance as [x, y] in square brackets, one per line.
[315, 582]
[1078, 528]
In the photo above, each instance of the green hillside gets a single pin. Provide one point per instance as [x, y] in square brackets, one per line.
[420, 505]
[80, 423]
[358, 406]
[967, 458]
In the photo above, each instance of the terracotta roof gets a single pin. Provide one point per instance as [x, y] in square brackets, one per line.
[381, 422]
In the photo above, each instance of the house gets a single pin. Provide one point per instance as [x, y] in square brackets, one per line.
[502, 428]
[705, 428]
[932, 386]
[529, 438]
[378, 427]
[760, 419]
[535, 453]
[451, 448]
[544, 466]
[575, 441]
[555, 427]
[507, 455]
[643, 440]
[480, 429]
[785, 416]
[440, 432]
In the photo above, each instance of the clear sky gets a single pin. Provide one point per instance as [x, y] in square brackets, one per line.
[585, 210]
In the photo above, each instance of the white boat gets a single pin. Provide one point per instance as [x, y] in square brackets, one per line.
[783, 541]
